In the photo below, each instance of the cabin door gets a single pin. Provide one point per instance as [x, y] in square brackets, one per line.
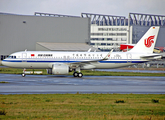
[129, 58]
[24, 57]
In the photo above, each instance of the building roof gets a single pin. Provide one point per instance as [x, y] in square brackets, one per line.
[53, 15]
[66, 46]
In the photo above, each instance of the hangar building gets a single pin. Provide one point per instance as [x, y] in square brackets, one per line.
[20, 32]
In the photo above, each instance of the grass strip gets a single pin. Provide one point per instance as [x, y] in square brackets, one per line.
[82, 106]
[85, 72]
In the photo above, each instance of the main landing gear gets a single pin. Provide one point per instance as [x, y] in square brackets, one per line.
[77, 74]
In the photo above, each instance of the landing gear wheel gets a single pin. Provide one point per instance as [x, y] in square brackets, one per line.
[23, 74]
[80, 75]
[75, 74]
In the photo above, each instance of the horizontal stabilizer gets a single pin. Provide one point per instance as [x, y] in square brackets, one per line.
[151, 57]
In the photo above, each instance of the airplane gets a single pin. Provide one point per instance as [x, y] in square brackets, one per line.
[61, 63]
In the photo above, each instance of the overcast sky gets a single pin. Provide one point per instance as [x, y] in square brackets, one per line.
[76, 7]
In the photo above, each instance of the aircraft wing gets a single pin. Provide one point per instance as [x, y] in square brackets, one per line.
[88, 62]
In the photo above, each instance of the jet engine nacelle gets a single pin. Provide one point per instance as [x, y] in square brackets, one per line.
[60, 69]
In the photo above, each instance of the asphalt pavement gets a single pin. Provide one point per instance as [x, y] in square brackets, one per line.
[43, 84]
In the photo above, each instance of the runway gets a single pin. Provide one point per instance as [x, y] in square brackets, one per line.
[43, 84]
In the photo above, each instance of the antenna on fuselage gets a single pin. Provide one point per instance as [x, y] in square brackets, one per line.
[89, 49]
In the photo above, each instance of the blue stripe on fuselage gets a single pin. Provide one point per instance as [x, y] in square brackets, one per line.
[36, 61]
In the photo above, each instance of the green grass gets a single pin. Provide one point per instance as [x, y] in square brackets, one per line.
[82, 106]
[85, 72]
[3, 82]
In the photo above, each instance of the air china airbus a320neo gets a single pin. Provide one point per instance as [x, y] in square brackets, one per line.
[64, 62]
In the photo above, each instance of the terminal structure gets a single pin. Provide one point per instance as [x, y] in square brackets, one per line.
[108, 31]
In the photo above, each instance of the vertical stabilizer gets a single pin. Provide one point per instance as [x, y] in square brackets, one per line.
[147, 43]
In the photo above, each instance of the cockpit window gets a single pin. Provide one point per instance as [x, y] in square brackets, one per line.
[13, 57]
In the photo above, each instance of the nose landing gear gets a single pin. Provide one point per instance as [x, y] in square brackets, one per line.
[23, 74]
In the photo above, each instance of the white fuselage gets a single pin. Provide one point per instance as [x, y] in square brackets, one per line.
[45, 59]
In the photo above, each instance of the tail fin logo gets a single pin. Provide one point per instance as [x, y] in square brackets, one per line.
[148, 41]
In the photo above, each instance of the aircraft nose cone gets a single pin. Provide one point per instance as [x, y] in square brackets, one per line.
[3, 62]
